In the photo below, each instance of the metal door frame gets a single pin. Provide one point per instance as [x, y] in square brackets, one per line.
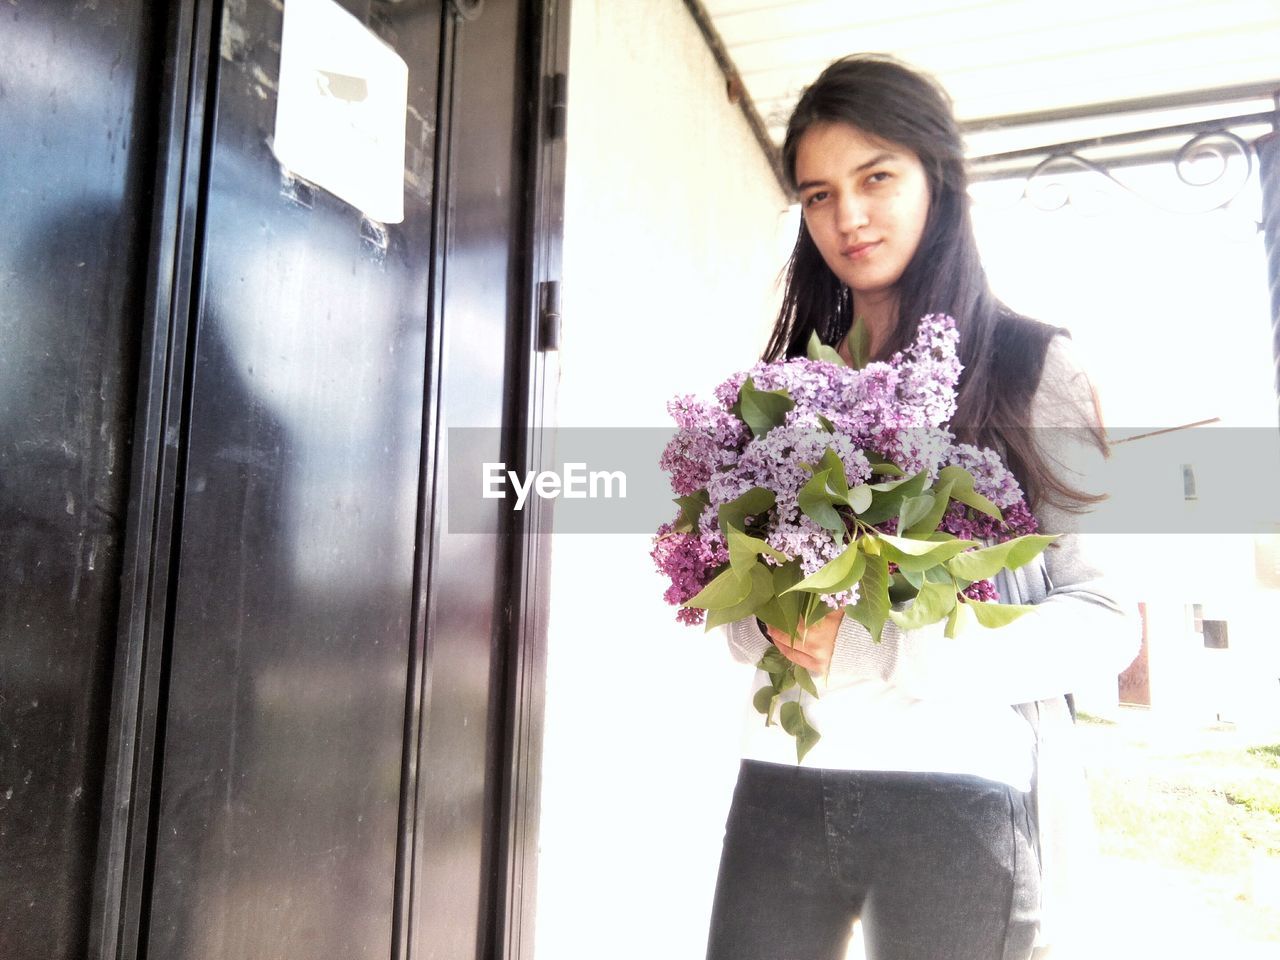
[120, 891]
[183, 91]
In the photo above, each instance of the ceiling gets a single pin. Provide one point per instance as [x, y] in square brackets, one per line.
[1008, 58]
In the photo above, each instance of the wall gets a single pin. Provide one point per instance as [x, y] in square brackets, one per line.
[672, 246]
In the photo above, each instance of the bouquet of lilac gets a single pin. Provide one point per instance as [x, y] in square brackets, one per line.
[811, 486]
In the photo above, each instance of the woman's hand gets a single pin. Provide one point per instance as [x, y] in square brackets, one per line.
[811, 650]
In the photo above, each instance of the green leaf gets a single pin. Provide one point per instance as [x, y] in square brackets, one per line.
[782, 682]
[932, 603]
[816, 610]
[905, 486]
[805, 743]
[816, 501]
[957, 620]
[859, 343]
[986, 562]
[1028, 547]
[763, 700]
[885, 468]
[792, 717]
[913, 510]
[760, 592]
[691, 510]
[888, 496]
[783, 611]
[911, 554]
[752, 503]
[805, 681]
[837, 483]
[939, 575]
[914, 577]
[761, 410]
[796, 724]
[815, 349]
[962, 490]
[837, 575]
[872, 608]
[860, 497]
[787, 574]
[773, 662]
[744, 549]
[928, 522]
[997, 614]
[726, 590]
[827, 425]
[901, 589]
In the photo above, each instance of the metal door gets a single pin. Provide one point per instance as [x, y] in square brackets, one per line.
[302, 713]
[283, 724]
[75, 170]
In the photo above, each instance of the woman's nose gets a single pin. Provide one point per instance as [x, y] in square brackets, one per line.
[851, 213]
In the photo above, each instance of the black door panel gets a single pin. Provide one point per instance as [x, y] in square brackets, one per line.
[280, 782]
[226, 579]
[75, 166]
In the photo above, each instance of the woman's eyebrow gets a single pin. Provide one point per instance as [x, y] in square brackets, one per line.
[877, 159]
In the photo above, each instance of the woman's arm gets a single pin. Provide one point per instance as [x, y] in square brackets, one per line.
[1086, 628]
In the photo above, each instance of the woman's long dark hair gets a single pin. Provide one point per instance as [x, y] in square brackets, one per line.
[1002, 352]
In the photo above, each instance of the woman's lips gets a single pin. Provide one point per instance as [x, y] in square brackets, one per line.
[858, 250]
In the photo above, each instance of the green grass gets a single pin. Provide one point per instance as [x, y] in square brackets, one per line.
[1082, 717]
[1209, 818]
[1256, 796]
[1269, 753]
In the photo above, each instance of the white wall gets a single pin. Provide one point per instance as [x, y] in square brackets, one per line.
[671, 253]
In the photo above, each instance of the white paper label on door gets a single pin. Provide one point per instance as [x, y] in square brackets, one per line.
[340, 116]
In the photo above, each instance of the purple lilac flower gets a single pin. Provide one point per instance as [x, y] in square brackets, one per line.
[930, 370]
[813, 384]
[915, 449]
[706, 440]
[897, 408]
[982, 590]
[991, 477]
[726, 394]
[968, 524]
[687, 560]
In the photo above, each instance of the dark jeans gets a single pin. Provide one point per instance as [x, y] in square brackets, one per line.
[937, 866]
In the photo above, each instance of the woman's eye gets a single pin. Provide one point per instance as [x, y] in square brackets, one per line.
[880, 176]
[816, 197]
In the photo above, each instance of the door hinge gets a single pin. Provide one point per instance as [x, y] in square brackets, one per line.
[557, 106]
[549, 315]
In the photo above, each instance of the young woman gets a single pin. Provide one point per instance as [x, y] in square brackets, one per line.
[935, 805]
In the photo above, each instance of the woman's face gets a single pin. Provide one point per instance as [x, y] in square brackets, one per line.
[865, 202]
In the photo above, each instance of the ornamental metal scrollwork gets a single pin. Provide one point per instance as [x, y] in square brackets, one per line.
[1049, 194]
[1203, 163]
[1203, 146]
